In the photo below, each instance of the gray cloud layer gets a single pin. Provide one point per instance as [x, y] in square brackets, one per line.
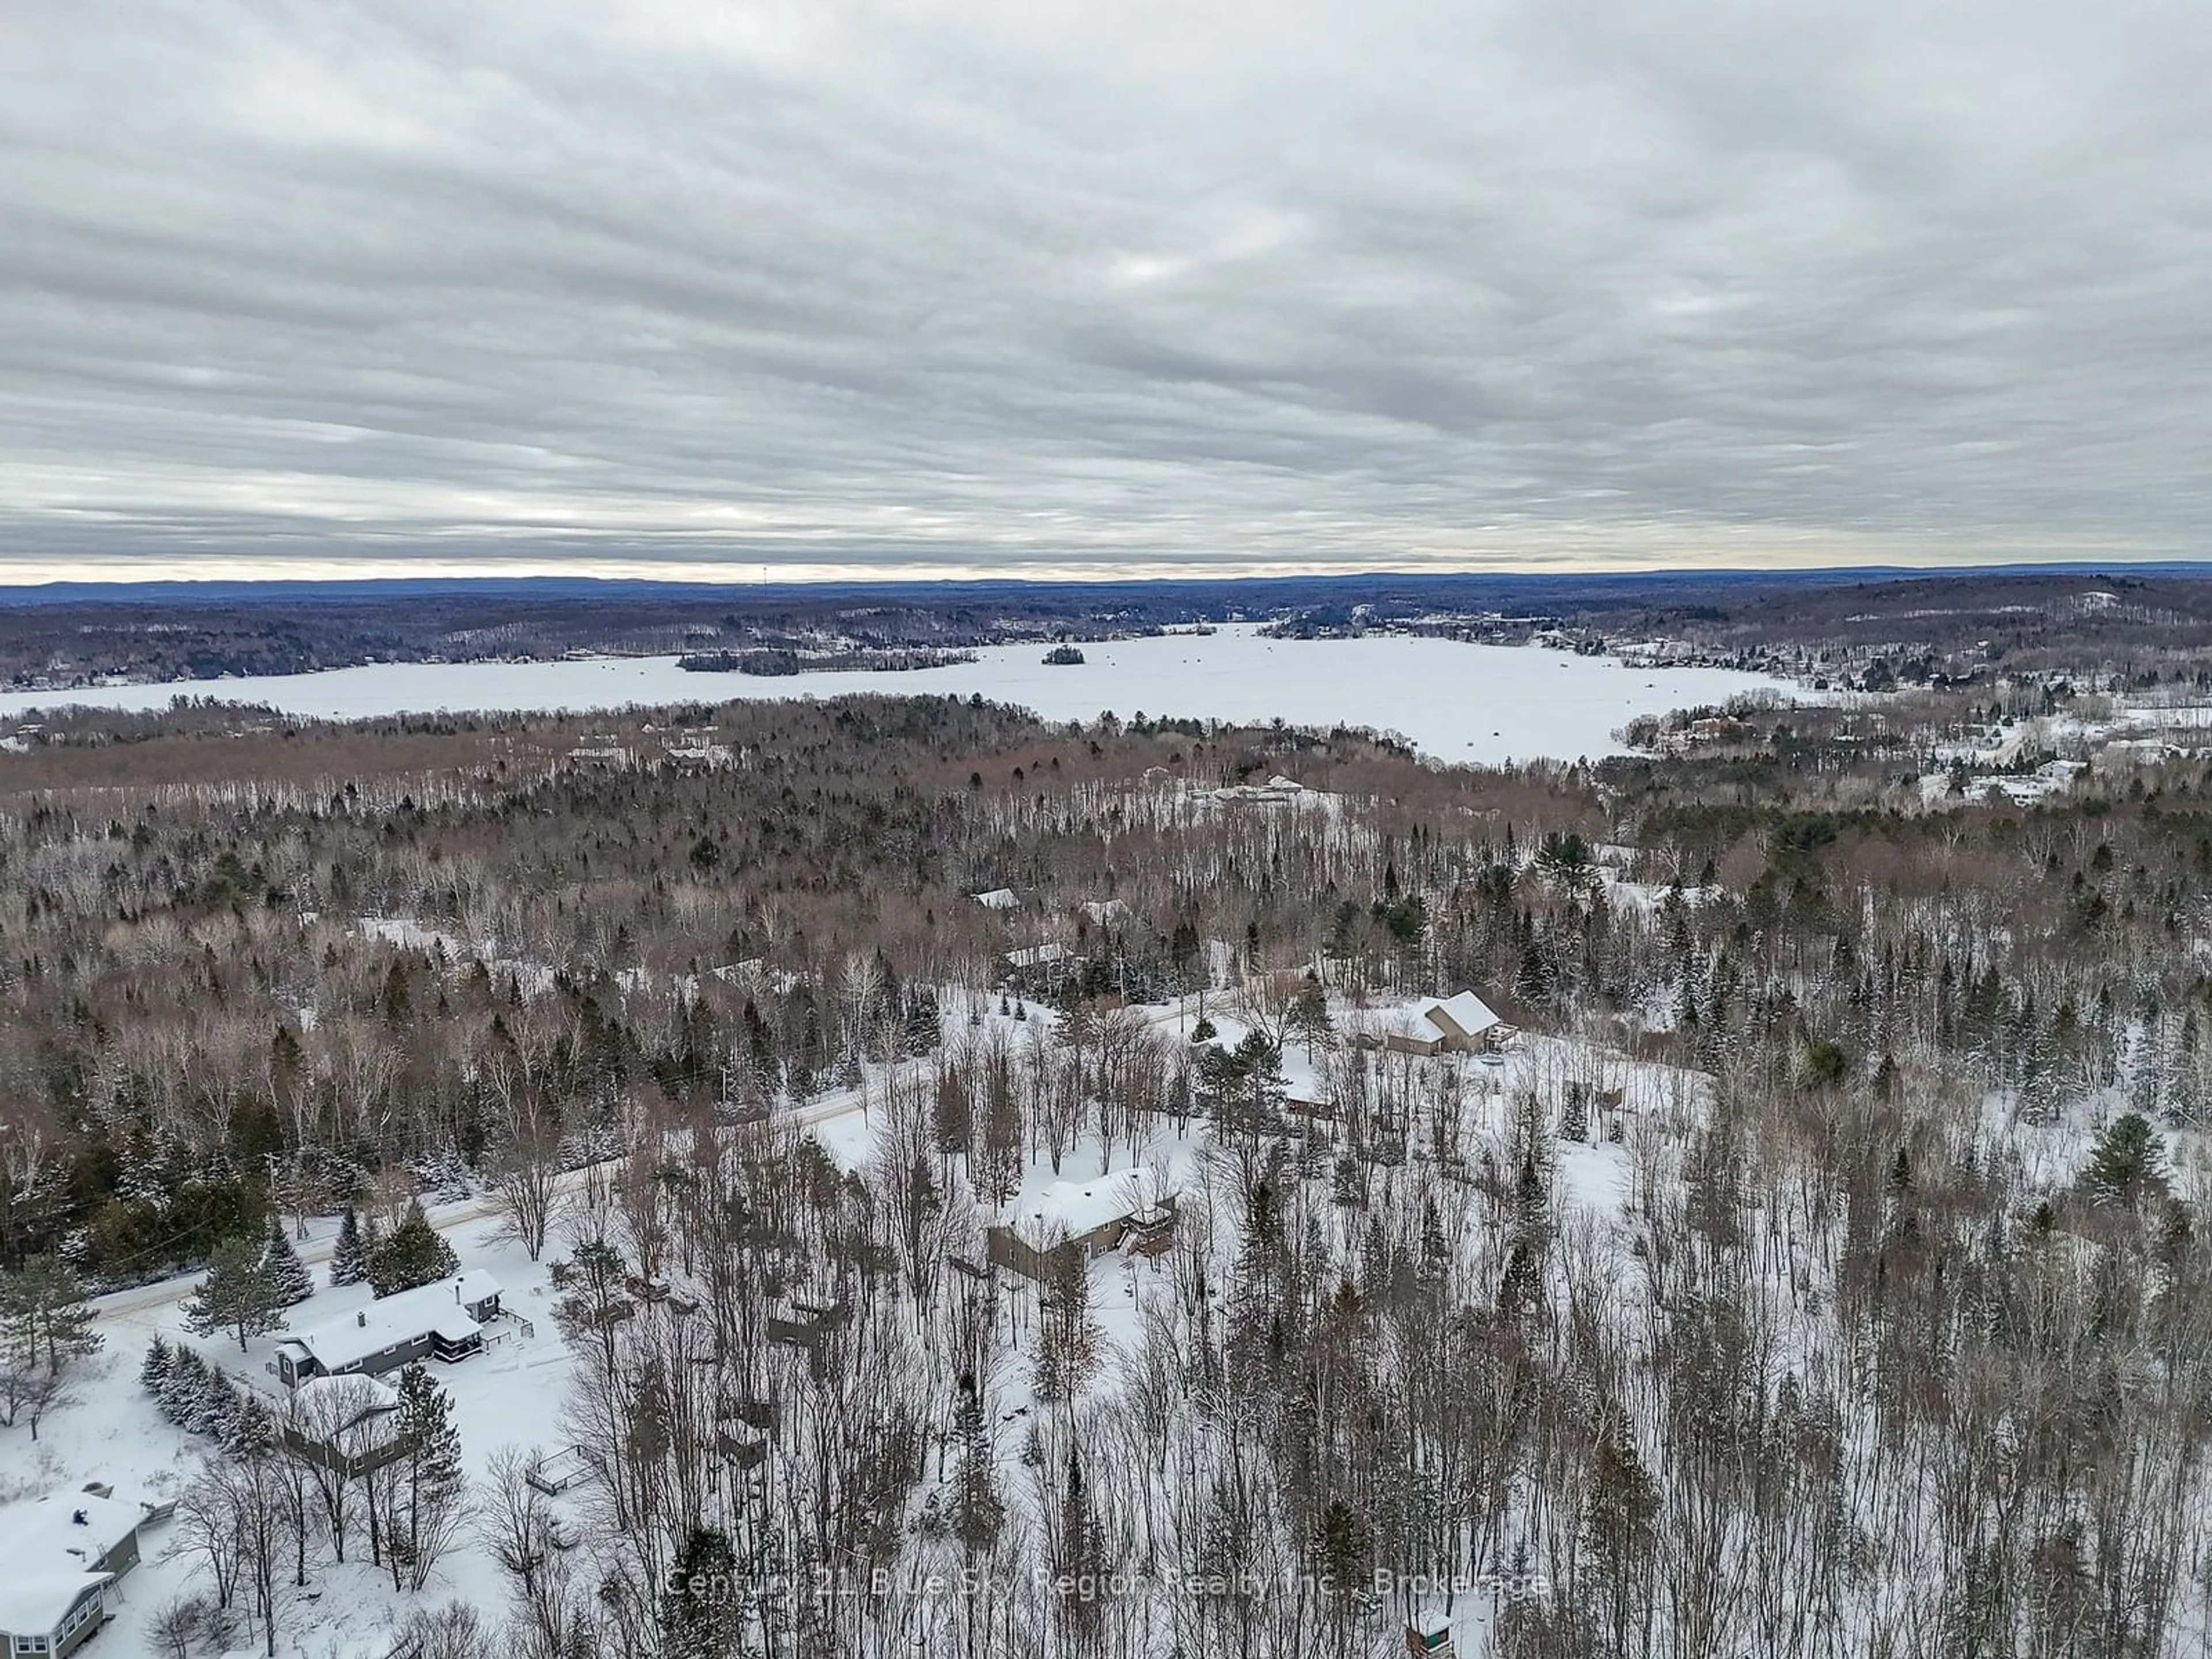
[912, 283]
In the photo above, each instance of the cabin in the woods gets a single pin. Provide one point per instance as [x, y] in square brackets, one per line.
[443, 1321]
[1460, 1024]
[61, 1557]
[1040, 966]
[1076, 1220]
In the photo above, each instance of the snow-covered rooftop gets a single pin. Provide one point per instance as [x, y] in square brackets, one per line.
[1467, 1012]
[33, 1601]
[999, 898]
[354, 1414]
[1069, 1209]
[49, 1554]
[442, 1309]
[355, 1393]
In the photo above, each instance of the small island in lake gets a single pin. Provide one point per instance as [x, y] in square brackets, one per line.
[1063, 656]
[777, 660]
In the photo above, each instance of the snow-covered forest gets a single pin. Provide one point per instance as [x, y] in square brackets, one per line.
[963, 1185]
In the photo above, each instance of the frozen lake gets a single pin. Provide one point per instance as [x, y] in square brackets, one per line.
[1457, 702]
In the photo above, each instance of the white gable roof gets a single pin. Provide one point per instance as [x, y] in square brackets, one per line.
[354, 1414]
[1467, 1012]
[32, 1603]
[999, 898]
[49, 1554]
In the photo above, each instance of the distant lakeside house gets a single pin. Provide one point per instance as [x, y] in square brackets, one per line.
[443, 1321]
[61, 1557]
[1073, 1221]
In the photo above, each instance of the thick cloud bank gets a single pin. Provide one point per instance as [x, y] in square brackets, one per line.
[1027, 284]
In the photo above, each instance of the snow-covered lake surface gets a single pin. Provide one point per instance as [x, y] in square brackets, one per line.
[1454, 702]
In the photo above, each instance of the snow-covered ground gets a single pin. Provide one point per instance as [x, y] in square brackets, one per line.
[1457, 702]
[509, 1396]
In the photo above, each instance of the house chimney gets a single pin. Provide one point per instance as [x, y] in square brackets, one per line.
[361, 1319]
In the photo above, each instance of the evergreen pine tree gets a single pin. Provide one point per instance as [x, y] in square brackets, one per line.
[2184, 1078]
[238, 1298]
[1617, 1527]
[977, 1510]
[429, 1491]
[1082, 1563]
[414, 1255]
[1340, 1550]
[350, 1256]
[182, 1384]
[2127, 1159]
[1521, 1287]
[44, 1310]
[2146, 1065]
[424, 1421]
[153, 1370]
[1068, 1335]
[289, 1279]
[700, 1614]
[213, 1410]
[248, 1426]
[1347, 1187]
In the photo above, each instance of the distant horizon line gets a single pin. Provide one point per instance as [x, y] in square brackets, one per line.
[96, 588]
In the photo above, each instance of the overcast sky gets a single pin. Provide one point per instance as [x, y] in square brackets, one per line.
[1028, 286]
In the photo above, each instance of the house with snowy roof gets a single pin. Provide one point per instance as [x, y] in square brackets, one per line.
[347, 1424]
[1460, 1024]
[443, 1321]
[63, 1554]
[1077, 1221]
[1039, 967]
